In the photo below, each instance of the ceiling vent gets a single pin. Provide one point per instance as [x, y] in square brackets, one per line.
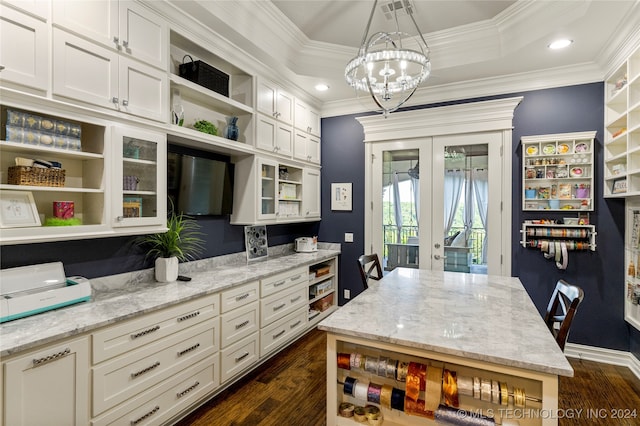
[401, 7]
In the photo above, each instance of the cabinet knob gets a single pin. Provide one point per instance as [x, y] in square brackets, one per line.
[275, 114]
[116, 40]
[125, 43]
[115, 100]
[120, 218]
[1, 67]
[125, 102]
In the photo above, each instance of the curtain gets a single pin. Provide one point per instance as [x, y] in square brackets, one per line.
[415, 187]
[453, 180]
[481, 192]
[397, 206]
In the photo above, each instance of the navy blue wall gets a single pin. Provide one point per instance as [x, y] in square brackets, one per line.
[108, 256]
[600, 320]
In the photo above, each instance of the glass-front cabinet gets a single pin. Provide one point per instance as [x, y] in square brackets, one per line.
[140, 198]
[267, 190]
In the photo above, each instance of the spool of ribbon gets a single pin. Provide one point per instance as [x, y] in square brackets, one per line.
[385, 396]
[360, 390]
[371, 364]
[433, 388]
[397, 399]
[373, 393]
[485, 390]
[344, 361]
[382, 366]
[495, 392]
[349, 385]
[565, 256]
[416, 380]
[401, 371]
[465, 385]
[455, 416]
[504, 394]
[416, 408]
[346, 409]
[450, 388]
[392, 365]
[360, 414]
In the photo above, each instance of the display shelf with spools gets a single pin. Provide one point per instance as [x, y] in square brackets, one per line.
[377, 386]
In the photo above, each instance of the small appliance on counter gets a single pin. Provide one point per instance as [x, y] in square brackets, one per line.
[33, 289]
[306, 244]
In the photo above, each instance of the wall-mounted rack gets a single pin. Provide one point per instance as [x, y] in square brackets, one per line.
[575, 237]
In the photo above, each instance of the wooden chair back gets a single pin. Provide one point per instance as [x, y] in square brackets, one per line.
[369, 266]
[561, 310]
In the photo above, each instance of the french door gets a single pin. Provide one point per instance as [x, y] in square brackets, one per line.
[436, 202]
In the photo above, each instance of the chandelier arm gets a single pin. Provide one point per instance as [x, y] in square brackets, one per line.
[395, 14]
[366, 30]
[420, 33]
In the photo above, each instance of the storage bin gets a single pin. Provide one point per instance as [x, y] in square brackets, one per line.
[205, 75]
[36, 176]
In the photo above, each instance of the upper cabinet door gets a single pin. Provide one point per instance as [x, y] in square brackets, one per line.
[143, 90]
[39, 8]
[144, 35]
[24, 49]
[284, 107]
[266, 97]
[125, 26]
[95, 19]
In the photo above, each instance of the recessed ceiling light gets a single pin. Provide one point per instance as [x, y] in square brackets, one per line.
[560, 44]
[322, 87]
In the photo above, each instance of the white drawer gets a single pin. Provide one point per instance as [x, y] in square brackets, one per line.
[283, 303]
[238, 357]
[239, 323]
[278, 282]
[121, 378]
[278, 333]
[126, 336]
[239, 296]
[162, 402]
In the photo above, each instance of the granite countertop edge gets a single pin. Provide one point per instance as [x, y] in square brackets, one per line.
[143, 295]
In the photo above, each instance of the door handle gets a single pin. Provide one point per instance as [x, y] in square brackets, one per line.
[438, 257]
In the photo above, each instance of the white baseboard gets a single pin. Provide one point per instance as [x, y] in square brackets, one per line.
[607, 356]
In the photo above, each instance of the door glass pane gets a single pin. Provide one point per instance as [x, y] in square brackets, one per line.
[140, 162]
[400, 208]
[466, 199]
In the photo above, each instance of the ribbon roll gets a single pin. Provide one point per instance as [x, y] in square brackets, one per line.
[346, 409]
[476, 387]
[504, 394]
[495, 392]
[371, 364]
[450, 388]
[385, 396]
[465, 385]
[455, 416]
[433, 389]
[392, 365]
[416, 380]
[360, 390]
[485, 390]
[565, 256]
[382, 366]
[360, 414]
[344, 361]
[349, 384]
[416, 408]
[373, 393]
[397, 399]
[401, 371]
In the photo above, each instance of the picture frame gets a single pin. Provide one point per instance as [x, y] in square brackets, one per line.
[18, 210]
[341, 196]
[619, 186]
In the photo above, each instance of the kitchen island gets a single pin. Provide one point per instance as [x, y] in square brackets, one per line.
[485, 328]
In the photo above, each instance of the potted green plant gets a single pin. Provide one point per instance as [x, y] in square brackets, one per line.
[181, 242]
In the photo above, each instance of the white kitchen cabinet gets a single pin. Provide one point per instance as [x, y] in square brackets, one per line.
[126, 26]
[306, 147]
[311, 193]
[100, 76]
[323, 290]
[48, 386]
[307, 118]
[139, 190]
[39, 8]
[24, 49]
[274, 101]
[274, 136]
[621, 175]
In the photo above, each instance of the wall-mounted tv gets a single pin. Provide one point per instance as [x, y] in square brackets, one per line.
[199, 183]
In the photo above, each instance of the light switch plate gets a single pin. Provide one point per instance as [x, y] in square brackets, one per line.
[348, 237]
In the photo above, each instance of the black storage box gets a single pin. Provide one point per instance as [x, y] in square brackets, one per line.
[205, 75]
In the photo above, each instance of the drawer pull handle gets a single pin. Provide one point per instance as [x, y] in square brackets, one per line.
[145, 370]
[244, 296]
[187, 390]
[278, 284]
[241, 357]
[242, 324]
[297, 277]
[189, 316]
[275, 308]
[275, 336]
[146, 416]
[295, 299]
[189, 349]
[39, 361]
[295, 324]
[144, 332]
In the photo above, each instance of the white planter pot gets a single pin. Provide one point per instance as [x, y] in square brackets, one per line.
[166, 269]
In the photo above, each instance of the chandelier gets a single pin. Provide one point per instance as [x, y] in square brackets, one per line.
[386, 69]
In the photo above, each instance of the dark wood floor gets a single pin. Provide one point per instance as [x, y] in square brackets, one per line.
[290, 390]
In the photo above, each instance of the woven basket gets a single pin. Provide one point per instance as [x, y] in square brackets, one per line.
[35, 176]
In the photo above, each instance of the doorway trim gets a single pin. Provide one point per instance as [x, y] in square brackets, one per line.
[459, 119]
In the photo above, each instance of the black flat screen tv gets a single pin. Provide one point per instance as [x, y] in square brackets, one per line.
[199, 183]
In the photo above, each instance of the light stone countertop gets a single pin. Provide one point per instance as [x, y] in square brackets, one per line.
[479, 317]
[125, 296]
